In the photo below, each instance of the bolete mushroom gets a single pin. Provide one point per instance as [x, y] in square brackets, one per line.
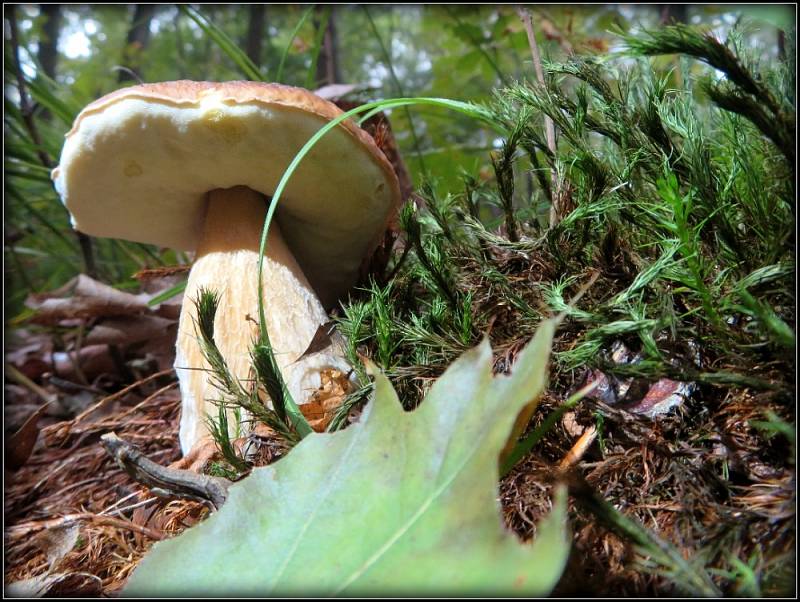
[192, 166]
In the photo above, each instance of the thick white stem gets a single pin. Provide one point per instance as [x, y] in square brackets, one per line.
[227, 262]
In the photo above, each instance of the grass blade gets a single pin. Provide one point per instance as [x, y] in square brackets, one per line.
[300, 23]
[311, 76]
[472, 110]
[228, 46]
[400, 91]
[168, 294]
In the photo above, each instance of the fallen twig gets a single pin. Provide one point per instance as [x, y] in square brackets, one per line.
[31, 527]
[163, 481]
[20, 378]
[575, 454]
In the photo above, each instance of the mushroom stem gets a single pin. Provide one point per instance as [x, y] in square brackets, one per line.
[227, 263]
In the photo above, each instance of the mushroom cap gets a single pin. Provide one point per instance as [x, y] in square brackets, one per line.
[138, 162]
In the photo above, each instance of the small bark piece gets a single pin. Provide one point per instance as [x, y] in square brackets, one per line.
[163, 481]
[579, 449]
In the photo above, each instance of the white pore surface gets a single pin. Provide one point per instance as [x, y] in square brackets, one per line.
[140, 169]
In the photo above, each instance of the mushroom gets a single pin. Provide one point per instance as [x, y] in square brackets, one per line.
[192, 166]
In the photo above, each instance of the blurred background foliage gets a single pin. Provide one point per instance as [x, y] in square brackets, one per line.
[58, 58]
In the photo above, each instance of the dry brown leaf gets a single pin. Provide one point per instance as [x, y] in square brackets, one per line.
[21, 403]
[19, 446]
[597, 44]
[27, 352]
[55, 584]
[93, 360]
[158, 280]
[117, 318]
[661, 397]
[201, 454]
[571, 425]
[551, 32]
[299, 45]
[334, 92]
[652, 401]
[126, 330]
[57, 542]
[82, 297]
[321, 339]
[322, 406]
[145, 516]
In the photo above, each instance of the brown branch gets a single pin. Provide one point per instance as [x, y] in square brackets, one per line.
[30, 527]
[164, 481]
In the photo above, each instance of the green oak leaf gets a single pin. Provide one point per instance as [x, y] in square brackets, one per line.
[400, 503]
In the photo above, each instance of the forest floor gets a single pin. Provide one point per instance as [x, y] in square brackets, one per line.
[701, 475]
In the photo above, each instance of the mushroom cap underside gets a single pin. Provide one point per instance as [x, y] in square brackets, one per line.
[138, 163]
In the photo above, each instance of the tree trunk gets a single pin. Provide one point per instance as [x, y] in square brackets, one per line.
[47, 55]
[255, 33]
[781, 44]
[136, 42]
[673, 13]
[48, 43]
[328, 61]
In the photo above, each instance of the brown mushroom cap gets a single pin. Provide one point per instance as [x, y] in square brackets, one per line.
[137, 165]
